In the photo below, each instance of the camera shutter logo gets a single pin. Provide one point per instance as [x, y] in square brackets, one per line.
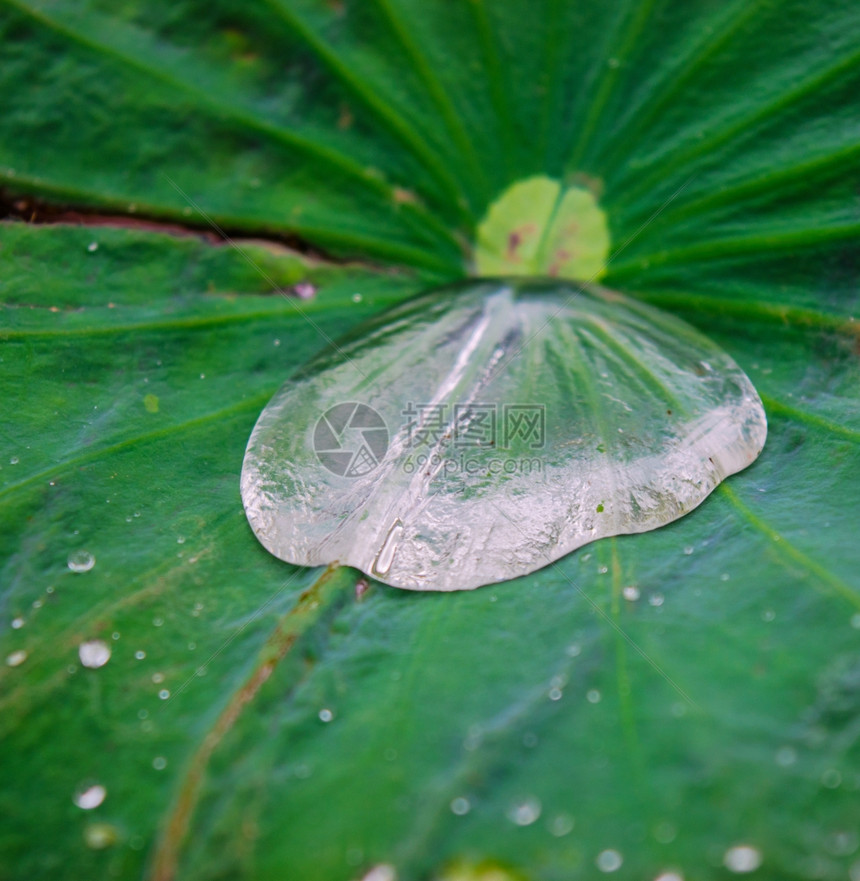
[350, 439]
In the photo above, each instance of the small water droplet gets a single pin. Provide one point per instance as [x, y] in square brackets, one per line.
[158, 678]
[656, 599]
[98, 836]
[842, 842]
[14, 460]
[115, 635]
[855, 620]
[180, 540]
[92, 247]
[80, 561]
[90, 796]
[785, 756]
[356, 298]
[460, 806]
[326, 715]
[742, 858]
[159, 763]
[831, 778]
[689, 550]
[630, 593]
[724, 576]
[15, 659]
[17, 623]
[593, 696]
[164, 694]
[142, 714]
[304, 290]
[382, 872]
[665, 832]
[609, 860]
[573, 650]
[561, 825]
[669, 876]
[37, 604]
[602, 570]
[555, 694]
[524, 812]
[157, 622]
[94, 653]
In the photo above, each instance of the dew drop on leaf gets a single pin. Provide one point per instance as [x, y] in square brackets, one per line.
[81, 561]
[16, 658]
[470, 435]
[524, 812]
[90, 796]
[98, 836]
[609, 861]
[94, 653]
[742, 858]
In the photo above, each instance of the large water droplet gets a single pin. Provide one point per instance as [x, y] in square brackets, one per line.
[471, 435]
[81, 561]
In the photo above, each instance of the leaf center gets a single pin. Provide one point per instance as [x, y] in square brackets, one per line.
[537, 226]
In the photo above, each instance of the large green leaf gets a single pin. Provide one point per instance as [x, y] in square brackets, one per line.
[719, 709]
